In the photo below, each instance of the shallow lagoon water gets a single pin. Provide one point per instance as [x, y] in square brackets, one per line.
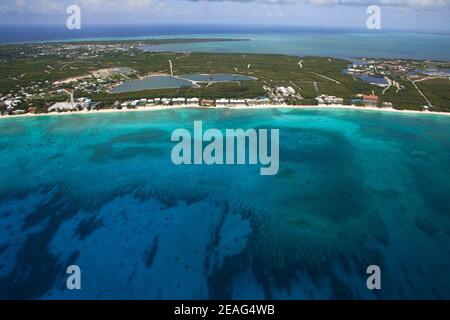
[100, 191]
[325, 43]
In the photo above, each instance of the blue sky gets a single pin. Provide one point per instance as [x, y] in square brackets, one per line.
[396, 14]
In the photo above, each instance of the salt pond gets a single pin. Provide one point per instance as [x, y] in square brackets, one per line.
[167, 82]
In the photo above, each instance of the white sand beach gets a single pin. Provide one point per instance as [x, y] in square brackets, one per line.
[262, 107]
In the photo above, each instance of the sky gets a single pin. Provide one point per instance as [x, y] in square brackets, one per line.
[417, 15]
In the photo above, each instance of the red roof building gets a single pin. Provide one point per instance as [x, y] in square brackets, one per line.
[370, 99]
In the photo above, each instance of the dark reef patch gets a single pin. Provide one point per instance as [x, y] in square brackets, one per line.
[432, 187]
[302, 236]
[106, 152]
[340, 289]
[37, 270]
[3, 248]
[152, 253]
[171, 197]
[426, 225]
[88, 226]
[141, 137]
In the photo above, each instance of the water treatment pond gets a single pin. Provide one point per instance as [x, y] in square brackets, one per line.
[167, 82]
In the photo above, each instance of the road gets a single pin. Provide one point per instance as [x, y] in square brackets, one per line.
[421, 93]
[325, 77]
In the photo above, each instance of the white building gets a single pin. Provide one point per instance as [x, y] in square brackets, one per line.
[290, 90]
[263, 101]
[63, 106]
[237, 102]
[324, 99]
[282, 91]
[11, 103]
[178, 101]
[85, 102]
[278, 101]
[387, 105]
[193, 101]
[222, 102]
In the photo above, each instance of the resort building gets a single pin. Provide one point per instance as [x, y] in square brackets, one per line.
[12, 103]
[237, 102]
[193, 101]
[324, 99]
[278, 101]
[370, 100]
[222, 102]
[63, 106]
[165, 101]
[263, 101]
[251, 102]
[282, 91]
[178, 101]
[290, 90]
[207, 103]
[85, 103]
[387, 105]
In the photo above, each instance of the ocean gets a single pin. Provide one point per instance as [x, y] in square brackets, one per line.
[355, 188]
[339, 43]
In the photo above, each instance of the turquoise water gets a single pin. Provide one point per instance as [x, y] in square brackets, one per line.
[342, 44]
[100, 191]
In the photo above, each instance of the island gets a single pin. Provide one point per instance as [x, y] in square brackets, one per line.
[88, 76]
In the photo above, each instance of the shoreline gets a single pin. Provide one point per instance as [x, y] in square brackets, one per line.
[261, 107]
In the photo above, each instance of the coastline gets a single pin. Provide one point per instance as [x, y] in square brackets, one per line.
[263, 107]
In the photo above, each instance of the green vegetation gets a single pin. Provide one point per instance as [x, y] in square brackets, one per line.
[314, 76]
[438, 92]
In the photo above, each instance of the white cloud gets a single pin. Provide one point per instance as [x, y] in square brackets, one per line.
[115, 5]
[94, 6]
[35, 6]
[163, 6]
[401, 3]
[394, 3]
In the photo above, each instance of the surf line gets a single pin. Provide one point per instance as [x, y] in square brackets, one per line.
[210, 147]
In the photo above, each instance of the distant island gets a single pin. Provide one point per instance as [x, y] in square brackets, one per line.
[101, 75]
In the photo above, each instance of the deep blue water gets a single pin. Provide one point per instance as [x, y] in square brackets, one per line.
[355, 188]
[24, 33]
[340, 43]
